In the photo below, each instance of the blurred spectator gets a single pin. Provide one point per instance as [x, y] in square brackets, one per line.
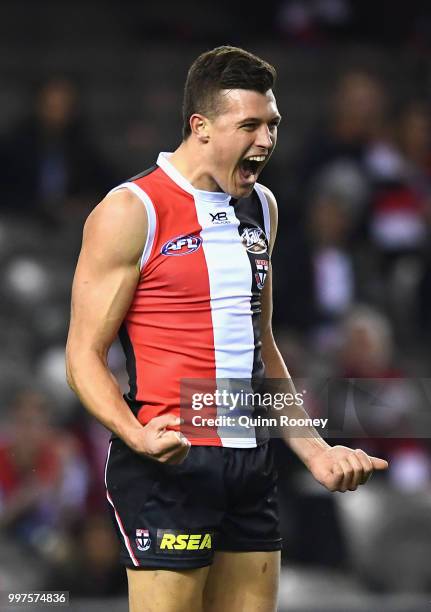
[325, 22]
[376, 403]
[415, 146]
[355, 120]
[414, 137]
[319, 277]
[314, 21]
[400, 210]
[334, 186]
[366, 346]
[92, 568]
[401, 171]
[43, 478]
[51, 164]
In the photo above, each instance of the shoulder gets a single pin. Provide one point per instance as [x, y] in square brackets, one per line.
[270, 198]
[118, 225]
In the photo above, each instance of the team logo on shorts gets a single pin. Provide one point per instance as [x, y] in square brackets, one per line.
[262, 266]
[143, 540]
[254, 240]
[182, 245]
[172, 541]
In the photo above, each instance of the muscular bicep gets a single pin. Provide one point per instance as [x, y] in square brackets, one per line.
[107, 272]
[101, 295]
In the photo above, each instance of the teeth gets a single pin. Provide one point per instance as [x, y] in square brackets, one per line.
[258, 158]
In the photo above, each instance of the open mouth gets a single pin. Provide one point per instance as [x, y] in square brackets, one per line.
[251, 166]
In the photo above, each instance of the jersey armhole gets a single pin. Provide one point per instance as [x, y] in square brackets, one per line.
[265, 211]
[151, 218]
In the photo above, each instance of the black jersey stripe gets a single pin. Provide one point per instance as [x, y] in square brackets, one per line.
[250, 216]
[123, 335]
[142, 174]
[130, 361]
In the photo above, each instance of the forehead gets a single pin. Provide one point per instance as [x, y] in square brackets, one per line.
[242, 103]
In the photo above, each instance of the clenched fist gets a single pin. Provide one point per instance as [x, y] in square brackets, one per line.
[157, 440]
[339, 468]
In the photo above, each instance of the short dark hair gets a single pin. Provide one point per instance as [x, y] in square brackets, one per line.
[222, 68]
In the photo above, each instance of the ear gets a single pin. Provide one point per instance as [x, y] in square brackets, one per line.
[199, 126]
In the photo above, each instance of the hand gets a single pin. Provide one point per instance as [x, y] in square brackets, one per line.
[157, 442]
[339, 468]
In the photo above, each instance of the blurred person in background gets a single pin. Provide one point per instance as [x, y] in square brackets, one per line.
[91, 567]
[414, 138]
[52, 168]
[314, 22]
[415, 146]
[319, 270]
[43, 477]
[206, 192]
[382, 409]
[355, 119]
[333, 169]
[400, 209]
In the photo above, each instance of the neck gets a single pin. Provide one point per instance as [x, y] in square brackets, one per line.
[191, 163]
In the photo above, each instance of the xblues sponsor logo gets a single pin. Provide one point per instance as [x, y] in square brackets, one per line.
[182, 245]
[219, 218]
[142, 539]
[172, 541]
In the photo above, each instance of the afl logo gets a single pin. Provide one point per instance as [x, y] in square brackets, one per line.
[254, 240]
[182, 245]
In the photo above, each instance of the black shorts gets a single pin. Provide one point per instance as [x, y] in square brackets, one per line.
[177, 516]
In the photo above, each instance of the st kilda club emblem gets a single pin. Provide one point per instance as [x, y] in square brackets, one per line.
[143, 540]
[262, 271]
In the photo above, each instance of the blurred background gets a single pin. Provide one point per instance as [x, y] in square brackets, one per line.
[90, 92]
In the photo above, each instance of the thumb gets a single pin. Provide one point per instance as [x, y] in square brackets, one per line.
[165, 420]
[379, 464]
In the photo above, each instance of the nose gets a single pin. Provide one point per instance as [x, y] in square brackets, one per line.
[264, 138]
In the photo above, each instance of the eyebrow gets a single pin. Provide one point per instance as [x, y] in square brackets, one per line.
[276, 118]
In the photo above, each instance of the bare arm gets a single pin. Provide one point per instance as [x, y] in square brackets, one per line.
[105, 280]
[274, 363]
[338, 468]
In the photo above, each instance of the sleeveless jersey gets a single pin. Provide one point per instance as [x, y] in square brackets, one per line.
[196, 309]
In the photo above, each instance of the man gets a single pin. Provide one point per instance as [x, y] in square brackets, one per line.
[177, 259]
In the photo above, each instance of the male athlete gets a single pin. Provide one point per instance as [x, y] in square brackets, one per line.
[177, 261]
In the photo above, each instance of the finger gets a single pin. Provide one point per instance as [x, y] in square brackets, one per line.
[379, 464]
[168, 442]
[366, 464]
[165, 420]
[175, 455]
[347, 475]
[336, 479]
[358, 472]
[183, 438]
[178, 457]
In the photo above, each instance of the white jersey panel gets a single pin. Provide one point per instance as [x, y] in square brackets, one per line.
[230, 280]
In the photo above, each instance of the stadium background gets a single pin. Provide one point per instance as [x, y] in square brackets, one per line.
[89, 94]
